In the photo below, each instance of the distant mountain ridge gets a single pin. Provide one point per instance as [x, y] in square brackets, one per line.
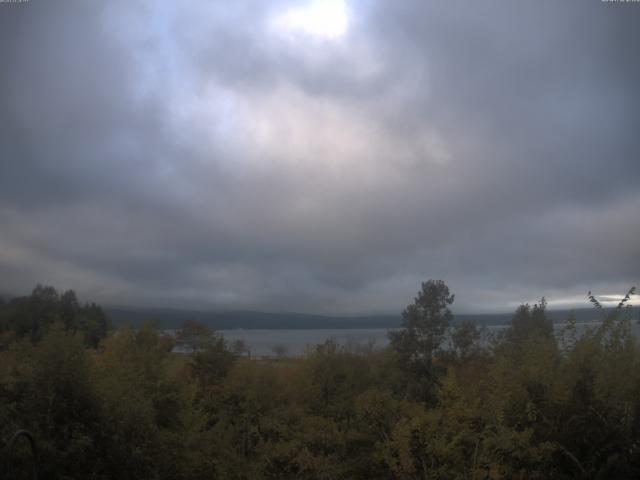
[227, 320]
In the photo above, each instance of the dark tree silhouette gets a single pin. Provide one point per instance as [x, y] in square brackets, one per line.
[425, 324]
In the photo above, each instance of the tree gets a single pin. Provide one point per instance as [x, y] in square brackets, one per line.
[32, 316]
[69, 308]
[465, 339]
[529, 321]
[55, 399]
[279, 350]
[240, 348]
[425, 324]
[211, 363]
[93, 323]
[194, 336]
[146, 399]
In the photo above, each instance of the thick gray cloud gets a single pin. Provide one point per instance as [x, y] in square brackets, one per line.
[319, 156]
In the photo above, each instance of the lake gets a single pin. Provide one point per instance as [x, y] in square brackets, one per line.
[295, 342]
[261, 342]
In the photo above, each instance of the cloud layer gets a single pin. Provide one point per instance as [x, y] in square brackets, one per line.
[214, 155]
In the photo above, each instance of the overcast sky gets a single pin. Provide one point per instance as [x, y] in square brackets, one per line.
[320, 156]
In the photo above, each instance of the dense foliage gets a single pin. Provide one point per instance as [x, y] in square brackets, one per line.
[32, 317]
[441, 402]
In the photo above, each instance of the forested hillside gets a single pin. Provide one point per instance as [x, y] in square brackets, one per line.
[118, 404]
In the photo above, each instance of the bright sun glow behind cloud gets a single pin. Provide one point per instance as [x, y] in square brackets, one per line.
[324, 19]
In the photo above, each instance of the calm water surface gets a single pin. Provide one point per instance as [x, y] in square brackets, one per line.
[295, 342]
